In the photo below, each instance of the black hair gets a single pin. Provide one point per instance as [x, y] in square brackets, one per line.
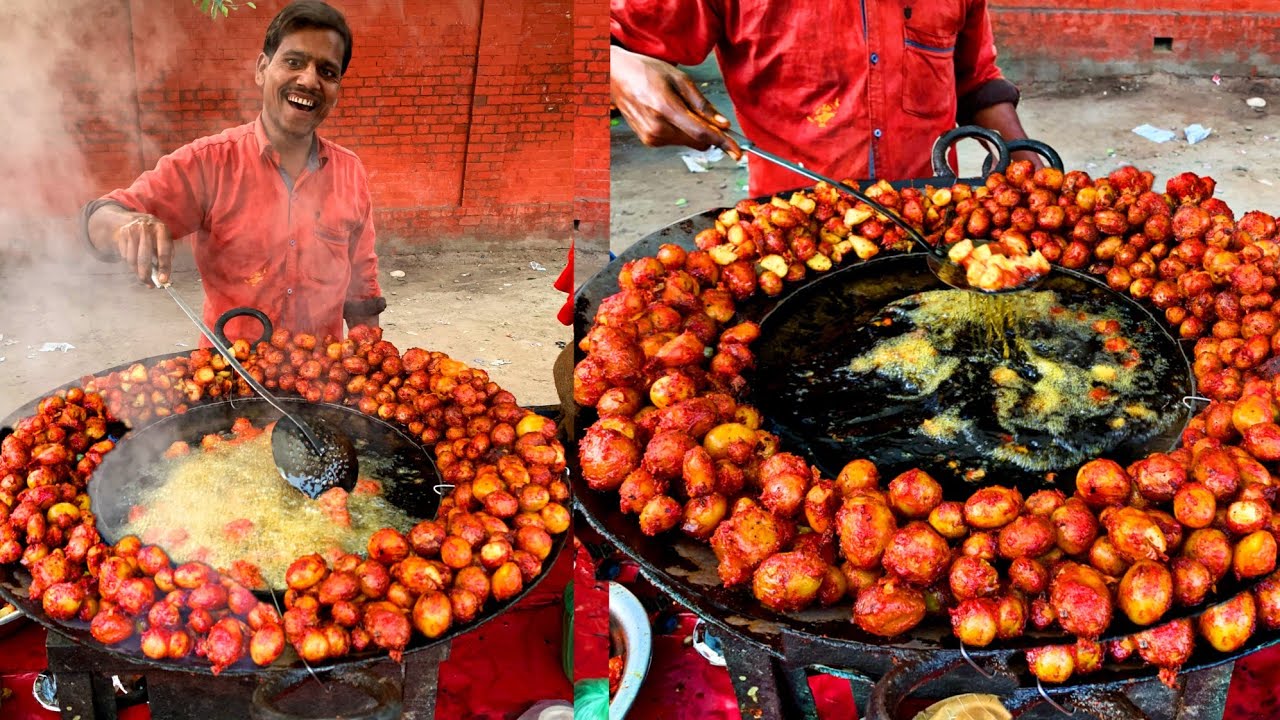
[304, 14]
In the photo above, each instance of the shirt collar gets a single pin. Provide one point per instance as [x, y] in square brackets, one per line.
[319, 148]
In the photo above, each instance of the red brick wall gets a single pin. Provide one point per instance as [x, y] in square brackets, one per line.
[1094, 38]
[460, 110]
[591, 122]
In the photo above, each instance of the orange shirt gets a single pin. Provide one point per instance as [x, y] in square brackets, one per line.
[301, 255]
[852, 89]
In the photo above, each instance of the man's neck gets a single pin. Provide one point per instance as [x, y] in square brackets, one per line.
[293, 151]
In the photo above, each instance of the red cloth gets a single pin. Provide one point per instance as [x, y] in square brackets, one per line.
[564, 284]
[591, 645]
[851, 89]
[296, 256]
[494, 673]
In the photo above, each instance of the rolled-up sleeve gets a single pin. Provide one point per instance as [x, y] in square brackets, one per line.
[172, 191]
[979, 82]
[364, 295]
[681, 32]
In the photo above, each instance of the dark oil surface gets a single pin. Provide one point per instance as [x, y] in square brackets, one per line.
[821, 383]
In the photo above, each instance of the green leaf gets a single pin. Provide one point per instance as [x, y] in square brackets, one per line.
[252, 6]
[224, 11]
[204, 6]
[681, 202]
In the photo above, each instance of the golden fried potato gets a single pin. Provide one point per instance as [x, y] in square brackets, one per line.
[1166, 646]
[980, 545]
[660, 514]
[865, 527]
[1027, 536]
[859, 579]
[971, 577]
[784, 480]
[1216, 469]
[820, 505]
[1228, 626]
[703, 514]
[1011, 616]
[606, 457]
[742, 542]
[857, 475]
[1194, 506]
[948, 519]
[1052, 664]
[917, 554]
[1135, 535]
[1249, 515]
[914, 494]
[1146, 592]
[1157, 477]
[1044, 502]
[1102, 483]
[1104, 556]
[1076, 527]
[1088, 655]
[1028, 575]
[1254, 555]
[1267, 593]
[1080, 599]
[992, 507]
[789, 581]
[889, 608]
[1211, 548]
[1191, 581]
[637, 489]
[975, 621]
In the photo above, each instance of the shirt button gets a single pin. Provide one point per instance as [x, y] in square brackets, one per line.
[289, 291]
[876, 132]
[874, 58]
[292, 243]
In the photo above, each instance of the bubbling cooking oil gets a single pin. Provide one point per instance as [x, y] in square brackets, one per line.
[229, 503]
[1063, 382]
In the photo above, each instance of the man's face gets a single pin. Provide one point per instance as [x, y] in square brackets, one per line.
[301, 82]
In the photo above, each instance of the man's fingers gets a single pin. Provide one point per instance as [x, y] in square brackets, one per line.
[707, 115]
[698, 102]
[146, 251]
[130, 233]
[164, 252]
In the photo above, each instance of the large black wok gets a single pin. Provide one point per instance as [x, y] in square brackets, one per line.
[124, 470]
[687, 569]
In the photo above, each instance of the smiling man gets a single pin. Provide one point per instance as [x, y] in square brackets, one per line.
[281, 219]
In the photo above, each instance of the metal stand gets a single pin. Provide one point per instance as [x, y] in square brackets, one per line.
[83, 677]
[771, 689]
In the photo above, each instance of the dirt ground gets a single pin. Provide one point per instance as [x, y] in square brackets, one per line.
[489, 309]
[1090, 123]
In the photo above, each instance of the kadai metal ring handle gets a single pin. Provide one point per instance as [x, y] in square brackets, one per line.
[989, 138]
[1028, 145]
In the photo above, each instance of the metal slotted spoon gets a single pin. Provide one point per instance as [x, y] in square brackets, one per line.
[311, 457]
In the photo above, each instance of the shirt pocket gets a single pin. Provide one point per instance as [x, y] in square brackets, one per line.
[928, 72]
[327, 259]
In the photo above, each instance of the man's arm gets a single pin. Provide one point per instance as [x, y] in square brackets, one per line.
[138, 224]
[984, 96]
[660, 102]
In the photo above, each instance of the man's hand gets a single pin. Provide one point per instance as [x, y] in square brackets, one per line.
[1003, 118]
[663, 106]
[138, 238]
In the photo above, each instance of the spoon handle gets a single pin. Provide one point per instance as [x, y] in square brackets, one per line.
[230, 357]
[911, 232]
